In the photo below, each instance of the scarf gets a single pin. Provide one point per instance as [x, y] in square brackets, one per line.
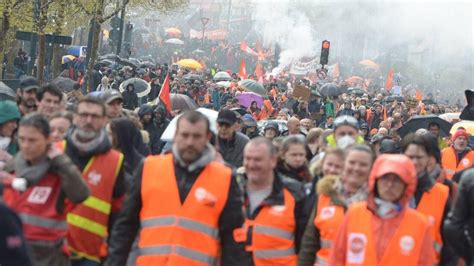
[4, 143]
[206, 157]
[386, 209]
[349, 198]
[32, 173]
[89, 146]
[435, 173]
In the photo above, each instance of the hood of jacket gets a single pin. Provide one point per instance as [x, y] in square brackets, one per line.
[397, 164]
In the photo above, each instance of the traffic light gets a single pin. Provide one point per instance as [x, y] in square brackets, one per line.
[324, 52]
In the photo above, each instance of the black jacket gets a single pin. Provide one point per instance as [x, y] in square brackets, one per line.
[130, 100]
[277, 198]
[128, 222]
[232, 150]
[13, 250]
[459, 226]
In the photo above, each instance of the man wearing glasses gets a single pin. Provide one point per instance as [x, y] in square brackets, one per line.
[88, 146]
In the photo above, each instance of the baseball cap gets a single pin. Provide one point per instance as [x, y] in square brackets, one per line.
[111, 95]
[29, 83]
[227, 116]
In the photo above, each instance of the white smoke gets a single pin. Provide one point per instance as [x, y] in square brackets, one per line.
[283, 22]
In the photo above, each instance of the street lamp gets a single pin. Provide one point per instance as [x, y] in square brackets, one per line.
[204, 22]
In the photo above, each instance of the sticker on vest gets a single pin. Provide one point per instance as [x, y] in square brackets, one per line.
[407, 243]
[39, 195]
[356, 246]
[206, 197]
[277, 210]
[465, 161]
[328, 212]
[431, 220]
[94, 178]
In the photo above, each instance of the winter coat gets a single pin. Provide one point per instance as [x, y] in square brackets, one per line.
[13, 250]
[276, 198]
[128, 223]
[459, 226]
[384, 229]
[345, 111]
[233, 150]
[130, 100]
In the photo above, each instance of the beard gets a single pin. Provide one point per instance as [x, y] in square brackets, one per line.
[86, 135]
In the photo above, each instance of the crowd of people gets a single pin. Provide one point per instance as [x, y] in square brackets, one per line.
[87, 179]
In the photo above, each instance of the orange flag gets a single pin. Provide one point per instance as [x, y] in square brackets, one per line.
[242, 70]
[165, 94]
[389, 82]
[418, 95]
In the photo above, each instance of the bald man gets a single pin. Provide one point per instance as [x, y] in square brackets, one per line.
[293, 127]
[306, 123]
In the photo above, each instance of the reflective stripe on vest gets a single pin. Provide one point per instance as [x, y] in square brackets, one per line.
[274, 253]
[325, 243]
[98, 204]
[272, 231]
[181, 222]
[178, 250]
[87, 224]
[42, 222]
[437, 247]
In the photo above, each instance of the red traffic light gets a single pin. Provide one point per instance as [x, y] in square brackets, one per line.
[326, 44]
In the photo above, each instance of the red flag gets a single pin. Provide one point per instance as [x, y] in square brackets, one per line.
[244, 47]
[389, 82]
[259, 71]
[242, 70]
[165, 94]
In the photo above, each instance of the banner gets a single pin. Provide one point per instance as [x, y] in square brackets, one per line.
[302, 68]
[219, 34]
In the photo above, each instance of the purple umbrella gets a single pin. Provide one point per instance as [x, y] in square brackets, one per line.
[246, 99]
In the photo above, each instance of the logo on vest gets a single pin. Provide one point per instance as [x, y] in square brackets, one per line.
[465, 161]
[356, 248]
[206, 197]
[39, 195]
[431, 219]
[328, 212]
[407, 243]
[277, 210]
[94, 178]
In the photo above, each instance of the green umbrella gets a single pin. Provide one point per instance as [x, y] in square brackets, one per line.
[253, 86]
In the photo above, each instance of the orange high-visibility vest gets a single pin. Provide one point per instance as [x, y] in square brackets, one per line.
[181, 234]
[88, 221]
[272, 234]
[448, 161]
[432, 205]
[327, 220]
[404, 247]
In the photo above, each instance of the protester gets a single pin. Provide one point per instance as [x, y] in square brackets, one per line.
[383, 230]
[190, 182]
[312, 143]
[60, 124]
[274, 210]
[335, 195]
[89, 148]
[9, 116]
[459, 226]
[345, 133]
[271, 130]
[148, 120]
[43, 184]
[431, 198]
[459, 156]
[130, 98]
[113, 103]
[230, 142]
[49, 98]
[27, 95]
[292, 163]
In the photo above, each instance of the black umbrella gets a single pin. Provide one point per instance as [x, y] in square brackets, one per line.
[147, 65]
[6, 93]
[192, 77]
[330, 90]
[182, 102]
[126, 62]
[106, 62]
[65, 84]
[108, 56]
[422, 121]
[142, 88]
[356, 91]
[393, 98]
